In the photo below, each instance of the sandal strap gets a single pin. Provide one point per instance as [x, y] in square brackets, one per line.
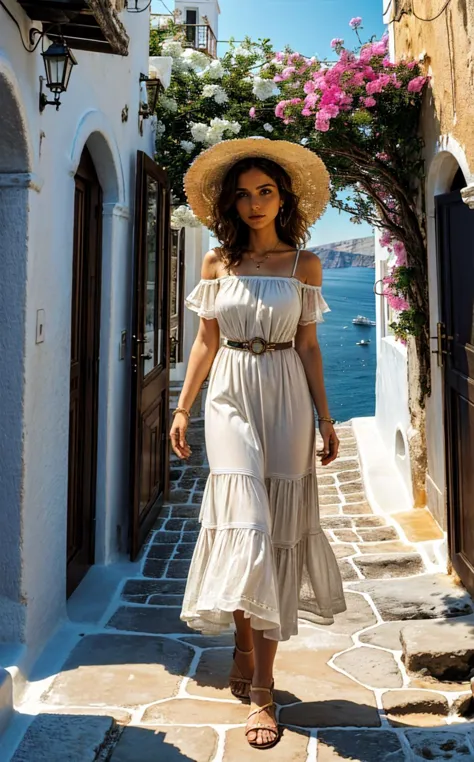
[245, 680]
[267, 690]
[260, 709]
[239, 650]
[261, 726]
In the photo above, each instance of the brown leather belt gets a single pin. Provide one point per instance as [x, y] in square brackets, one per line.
[257, 346]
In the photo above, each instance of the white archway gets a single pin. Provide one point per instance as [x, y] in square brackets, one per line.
[15, 183]
[95, 131]
[448, 158]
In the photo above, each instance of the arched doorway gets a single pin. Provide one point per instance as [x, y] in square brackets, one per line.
[84, 374]
[455, 239]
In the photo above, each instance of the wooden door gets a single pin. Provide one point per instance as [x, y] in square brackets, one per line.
[150, 350]
[177, 295]
[84, 373]
[456, 252]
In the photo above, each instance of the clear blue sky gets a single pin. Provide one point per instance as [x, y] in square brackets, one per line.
[308, 26]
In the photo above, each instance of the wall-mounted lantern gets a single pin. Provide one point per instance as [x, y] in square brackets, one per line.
[58, 64]
[152, 87]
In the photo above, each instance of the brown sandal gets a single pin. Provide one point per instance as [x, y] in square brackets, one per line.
[240, 685]
[262, 726]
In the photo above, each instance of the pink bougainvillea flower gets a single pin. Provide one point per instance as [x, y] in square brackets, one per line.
[400, 253]
[252, 113]
[322, 122]
[287, 72]
[337, 42]
[382, 156]
[385, 239]
[374, 87]
[355, 22]
[280, 109]
[309, 87]
[417, 84]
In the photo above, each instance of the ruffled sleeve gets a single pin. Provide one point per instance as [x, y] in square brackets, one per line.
[313, 305]
[202, 299]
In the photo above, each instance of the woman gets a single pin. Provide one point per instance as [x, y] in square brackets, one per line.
[260, 296]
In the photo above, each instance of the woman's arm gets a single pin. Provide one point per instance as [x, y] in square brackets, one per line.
[307, 346]
[203, 352]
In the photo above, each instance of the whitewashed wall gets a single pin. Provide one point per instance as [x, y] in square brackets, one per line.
[391, 410]
[209, 8]
[37, 274]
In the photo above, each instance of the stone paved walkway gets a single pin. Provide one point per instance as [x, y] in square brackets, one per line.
[377, 686]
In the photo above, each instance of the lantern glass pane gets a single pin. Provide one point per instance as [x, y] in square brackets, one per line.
[68, 70]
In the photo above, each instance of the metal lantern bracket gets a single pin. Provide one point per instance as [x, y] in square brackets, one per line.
[43, 99]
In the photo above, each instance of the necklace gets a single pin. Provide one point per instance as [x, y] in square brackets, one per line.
[267, 254]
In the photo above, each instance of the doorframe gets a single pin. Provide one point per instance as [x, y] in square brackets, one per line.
[138, 532]
[86, 172]
[453, 473]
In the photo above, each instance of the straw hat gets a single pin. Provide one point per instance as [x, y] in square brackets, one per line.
[309, 176]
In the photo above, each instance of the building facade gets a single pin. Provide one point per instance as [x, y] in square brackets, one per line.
[443, 44]
[68, 233]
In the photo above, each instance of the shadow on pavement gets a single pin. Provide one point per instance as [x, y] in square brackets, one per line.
[98, 738]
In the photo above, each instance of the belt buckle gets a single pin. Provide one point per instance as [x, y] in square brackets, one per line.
[257, 346]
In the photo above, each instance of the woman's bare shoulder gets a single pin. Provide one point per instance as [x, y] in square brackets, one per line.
[310, 269]
[211, 264]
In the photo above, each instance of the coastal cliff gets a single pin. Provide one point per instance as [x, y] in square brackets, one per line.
[357, 252]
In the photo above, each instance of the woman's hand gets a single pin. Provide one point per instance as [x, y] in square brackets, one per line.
[330, 443]
[178, 436]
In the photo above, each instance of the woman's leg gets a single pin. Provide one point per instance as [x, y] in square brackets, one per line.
[265, 651]
[243, 665]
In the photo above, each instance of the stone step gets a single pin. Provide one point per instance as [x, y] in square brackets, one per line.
[442, 649]
[6, 698]
[390, 565]
[429, 596]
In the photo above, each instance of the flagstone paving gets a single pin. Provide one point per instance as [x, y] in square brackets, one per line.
[141, 686]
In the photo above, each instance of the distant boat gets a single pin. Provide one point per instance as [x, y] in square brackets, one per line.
[361, 320]
[363, 343]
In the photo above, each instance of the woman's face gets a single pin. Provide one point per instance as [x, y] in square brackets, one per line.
[257, 199]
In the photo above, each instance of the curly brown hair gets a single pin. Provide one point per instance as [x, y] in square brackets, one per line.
[233, 234]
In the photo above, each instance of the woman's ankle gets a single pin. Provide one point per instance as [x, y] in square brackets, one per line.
[261, 681]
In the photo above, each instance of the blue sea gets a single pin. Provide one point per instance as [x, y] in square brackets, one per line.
[349, 370]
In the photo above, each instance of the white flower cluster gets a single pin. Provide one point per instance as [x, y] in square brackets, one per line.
[169, 104]
[213, 133]
[268, 127]
[214, 71]
[215, 91]
[172, 48]
[188, 146]
[195, 59]
[183, 217]
[263, 88]
[242, 52]
[160, 128]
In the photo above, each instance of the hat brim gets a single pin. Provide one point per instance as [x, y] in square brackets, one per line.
[309, 176]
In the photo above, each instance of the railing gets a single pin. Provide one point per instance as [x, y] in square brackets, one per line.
[197, 36]
[201, 37]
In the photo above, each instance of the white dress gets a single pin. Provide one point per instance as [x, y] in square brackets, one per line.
[260, 539]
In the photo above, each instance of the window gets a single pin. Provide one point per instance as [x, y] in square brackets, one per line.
[191, 21]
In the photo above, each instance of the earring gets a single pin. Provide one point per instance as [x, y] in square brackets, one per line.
[283, 221]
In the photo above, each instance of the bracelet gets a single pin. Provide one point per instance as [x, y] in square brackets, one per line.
[327, 420]
[182, 410]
